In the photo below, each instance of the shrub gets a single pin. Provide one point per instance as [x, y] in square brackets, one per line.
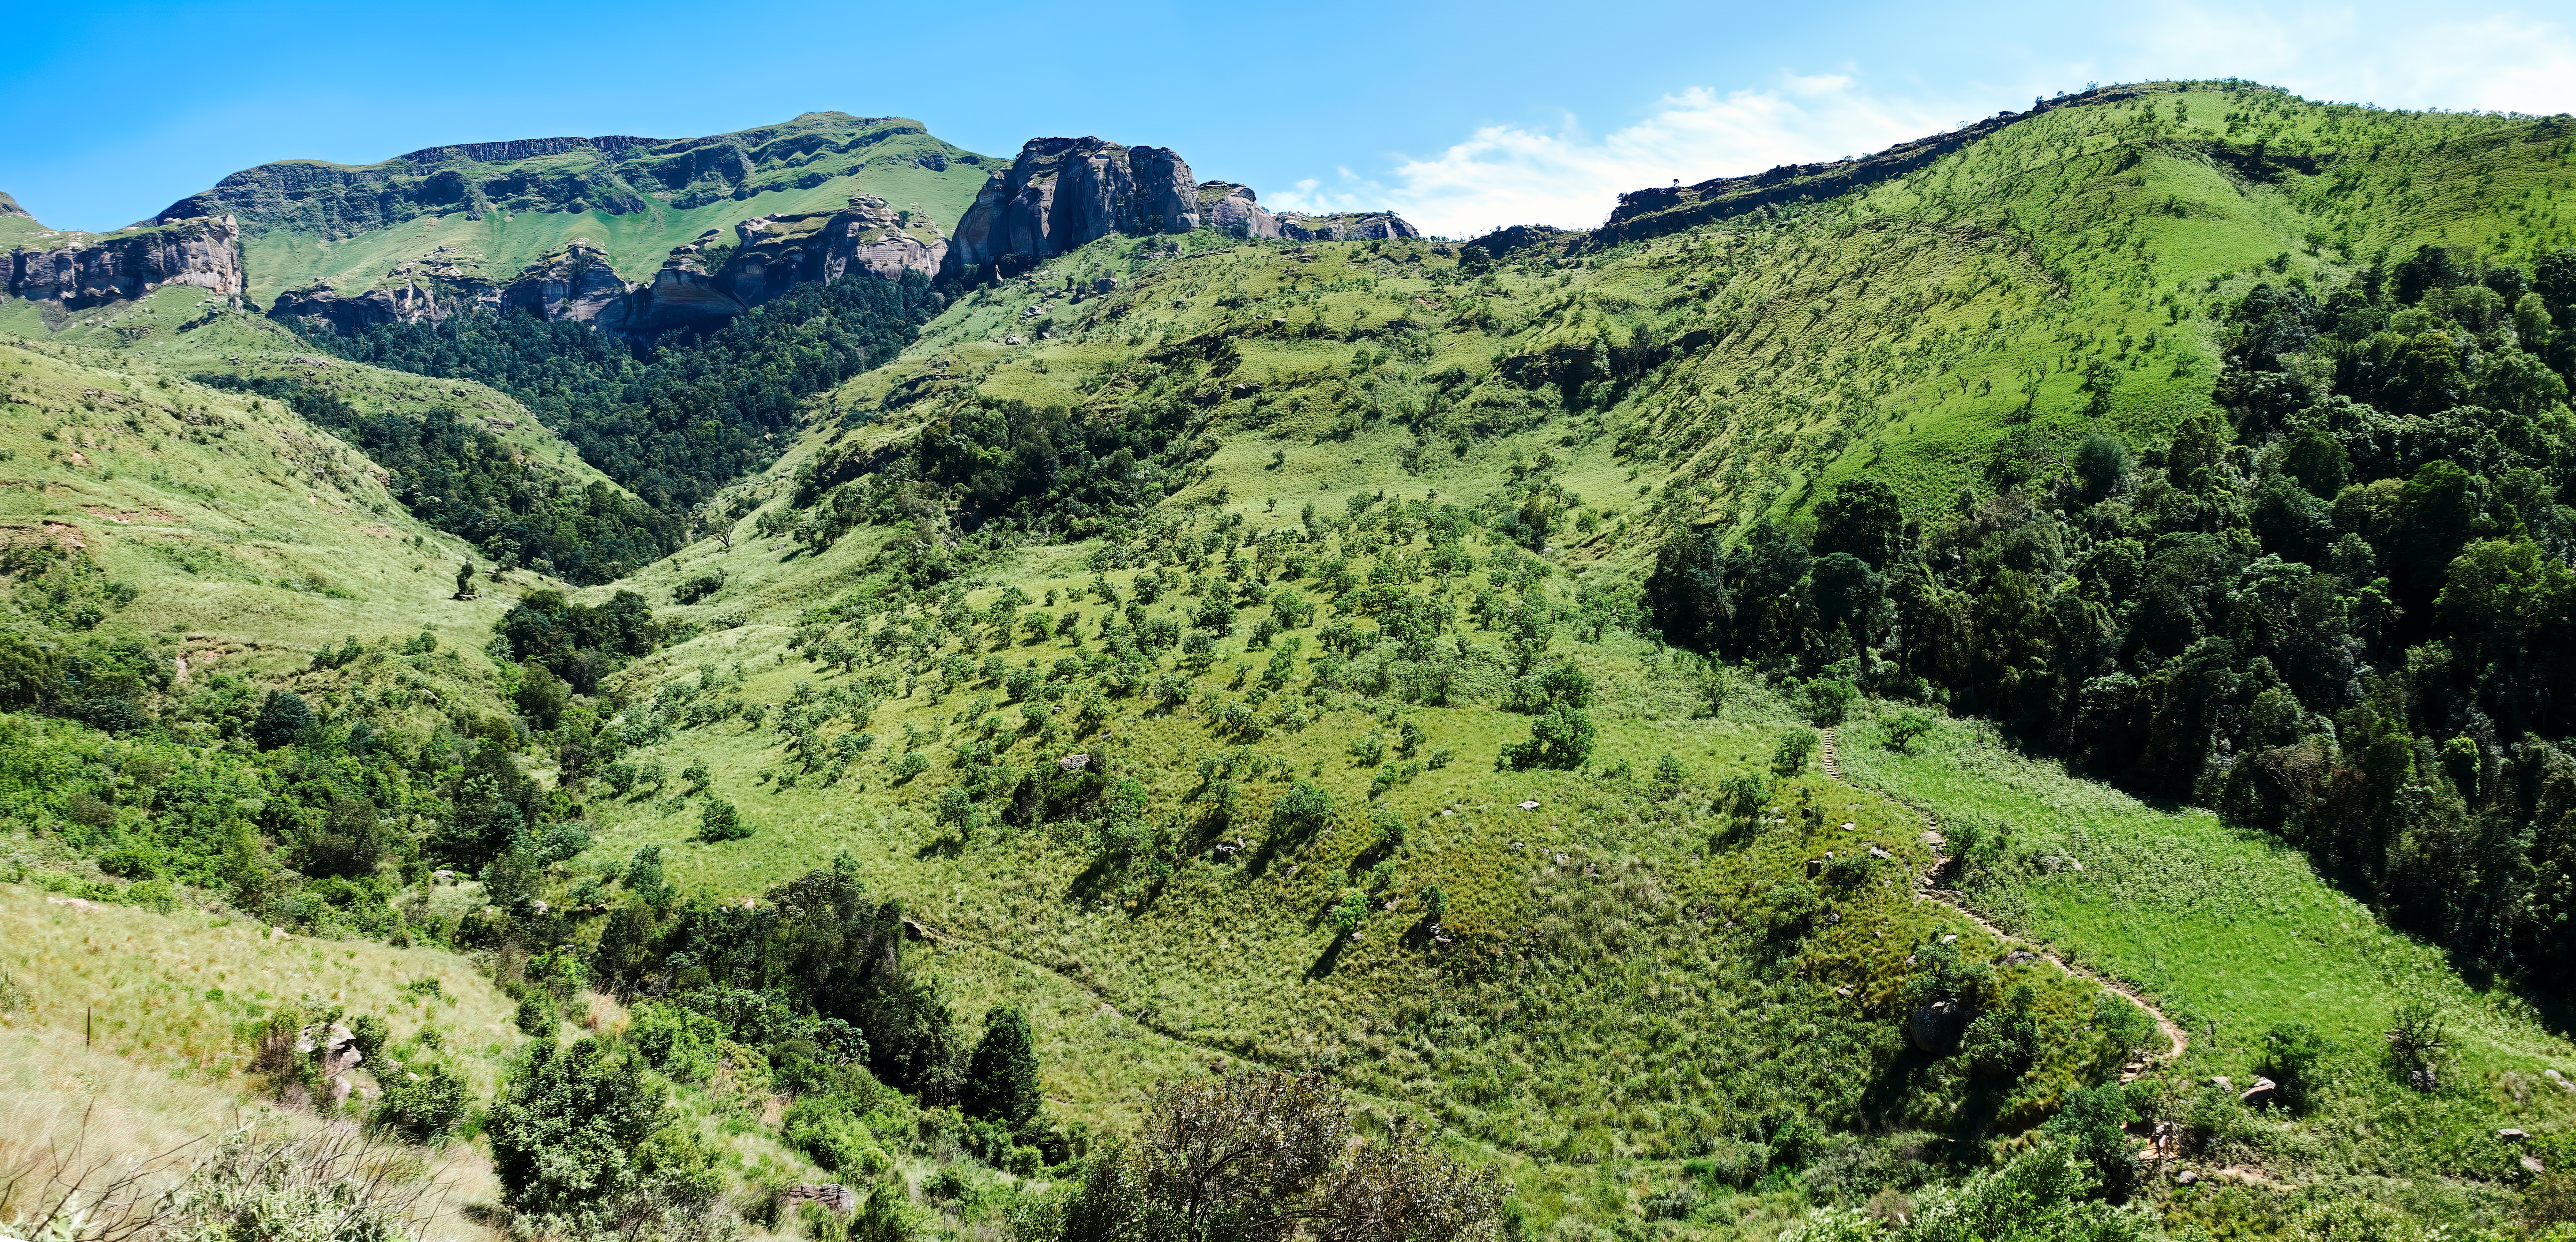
[1351, 911]
[422, 1102]
[536, 1014]
[2003, 1041]
[283, 717]
[584, 1133]
[2091, 1121]
[1304, 810]
[719, 821]
[1904, 727]
[2294, 1059]
[2416, 1036]
[1827, 700]
[1562, 739]
[1789, 756]
[679, 1042]
[128, 862]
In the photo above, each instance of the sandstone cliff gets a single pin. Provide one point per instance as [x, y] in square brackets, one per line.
[576, 282]
[772, 254]
[1063, 192]
[616, 174]
[868, 239]
[79, 270]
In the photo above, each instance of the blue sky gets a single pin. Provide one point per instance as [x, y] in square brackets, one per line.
[1464, 116]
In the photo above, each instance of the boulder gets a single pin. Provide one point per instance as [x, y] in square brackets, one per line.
[1937, 1028]
[2263, 1094]
[1230, 208]
[838, 1198]
[2425, 1080]
[2513, 1134]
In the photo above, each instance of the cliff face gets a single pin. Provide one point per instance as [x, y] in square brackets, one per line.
[1063, 192]
[615, 174]
[869, 239]
[575, 283]
[83, 271]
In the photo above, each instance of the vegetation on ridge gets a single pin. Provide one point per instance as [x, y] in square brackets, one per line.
[1268, 681]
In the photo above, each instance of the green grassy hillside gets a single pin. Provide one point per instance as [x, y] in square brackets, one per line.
[1247, 664]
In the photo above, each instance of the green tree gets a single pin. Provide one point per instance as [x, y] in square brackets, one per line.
[578, 1127]
[2294, 1057]
[283, 717]
[1002, 1075]
[1561, 738]
[1904, 726]
[718, 820]
[1861, 519]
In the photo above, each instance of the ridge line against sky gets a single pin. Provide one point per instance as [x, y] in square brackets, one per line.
[1464, 117]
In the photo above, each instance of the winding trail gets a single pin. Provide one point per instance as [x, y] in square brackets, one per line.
[2178, 1040]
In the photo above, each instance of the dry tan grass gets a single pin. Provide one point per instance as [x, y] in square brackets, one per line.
[123, 1037]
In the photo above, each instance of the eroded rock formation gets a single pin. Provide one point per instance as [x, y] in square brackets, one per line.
[84, 270]
[1231, 208]
[1063, 192]
[869, 239]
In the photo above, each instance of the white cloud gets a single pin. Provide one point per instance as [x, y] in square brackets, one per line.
[1509, 174]
[2394, 54]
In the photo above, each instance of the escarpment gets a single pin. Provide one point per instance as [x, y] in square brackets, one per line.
[84, 270]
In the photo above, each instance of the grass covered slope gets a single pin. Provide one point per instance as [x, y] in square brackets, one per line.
[1232, 652]
[2232, 933]
[492, 208]
[1425, 440]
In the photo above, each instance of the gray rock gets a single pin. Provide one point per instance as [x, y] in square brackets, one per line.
[1063, 192]
[2263, 1094]
[2425, 1080]
[837, 1198]
[2513, 1134]
[1938, 1027]
[76, 274]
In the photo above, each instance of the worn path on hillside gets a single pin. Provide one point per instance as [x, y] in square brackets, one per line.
[2175, 1036]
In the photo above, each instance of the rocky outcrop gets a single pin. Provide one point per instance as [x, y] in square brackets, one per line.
[574, 283]
[1658, 212]
[9, 206]
[1230, 208]
[1235, 209]
[772, 254]
[1938, 1027]
[1063, 192]
[84, 270]
[868, 239]
[1346, 226]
